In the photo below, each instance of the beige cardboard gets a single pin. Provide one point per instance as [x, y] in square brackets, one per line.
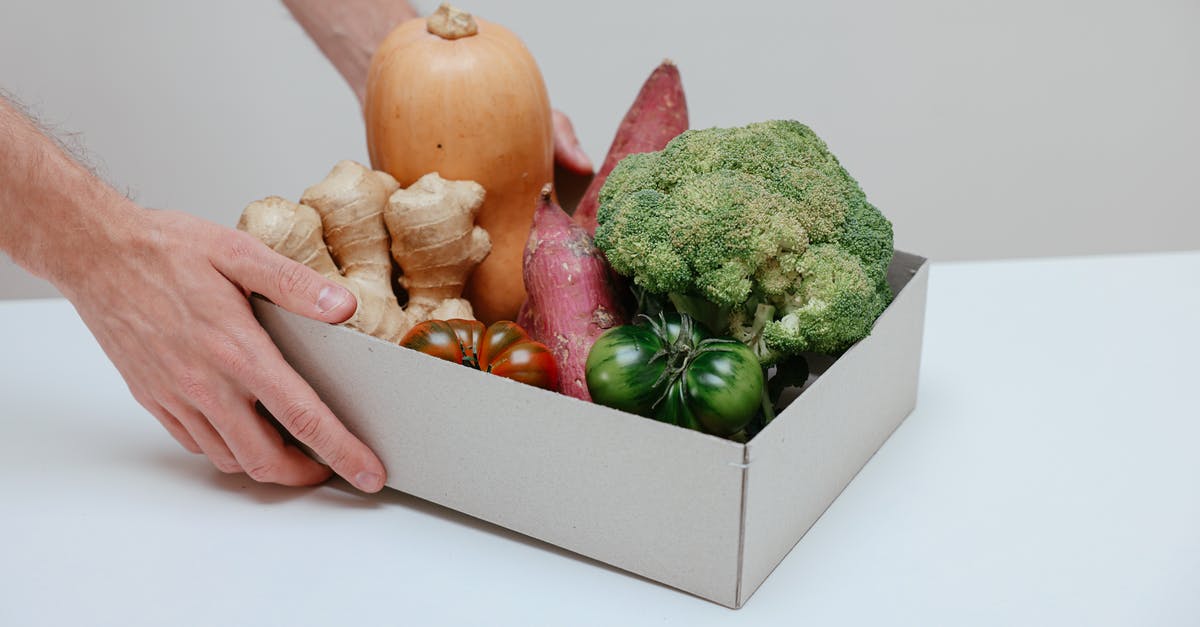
[648, 497]
[676, 506]
[810, 452]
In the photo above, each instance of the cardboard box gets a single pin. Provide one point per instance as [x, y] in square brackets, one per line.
[700, 513]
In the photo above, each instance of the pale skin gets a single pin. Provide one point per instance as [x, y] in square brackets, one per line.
[165, 293]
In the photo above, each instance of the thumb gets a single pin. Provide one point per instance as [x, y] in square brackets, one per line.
[291, 285]
[568, 152]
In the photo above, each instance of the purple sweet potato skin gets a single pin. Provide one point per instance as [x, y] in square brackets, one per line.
[658, 114]
[571, 298]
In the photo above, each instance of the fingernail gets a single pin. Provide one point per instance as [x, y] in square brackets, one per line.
[583, 158]
[368, 482]
[331, 298]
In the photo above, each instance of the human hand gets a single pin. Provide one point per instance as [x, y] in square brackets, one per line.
[568, 153]
[166, 297]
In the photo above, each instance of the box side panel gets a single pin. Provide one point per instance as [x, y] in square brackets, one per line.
[807, 456]
[651, 498]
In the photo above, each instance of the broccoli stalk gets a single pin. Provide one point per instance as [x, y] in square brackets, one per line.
[713, 316]
[730, 322]
[756, 231]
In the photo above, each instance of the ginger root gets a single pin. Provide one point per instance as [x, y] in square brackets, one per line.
[342, 229]
[434, 242]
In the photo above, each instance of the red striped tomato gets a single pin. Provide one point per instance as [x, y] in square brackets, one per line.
[503, 349]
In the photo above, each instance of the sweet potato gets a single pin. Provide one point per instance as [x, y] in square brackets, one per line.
[571, 298]
[658, 114]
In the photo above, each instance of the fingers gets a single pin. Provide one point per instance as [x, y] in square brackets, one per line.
[252, 265]
[236, 439]
[172, 425]
[298, 408]
[250, 361]
[567, 150]
[206, 437]
[258, 447]
[219, 414]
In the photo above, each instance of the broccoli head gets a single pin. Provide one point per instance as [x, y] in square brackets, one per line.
[757, 231]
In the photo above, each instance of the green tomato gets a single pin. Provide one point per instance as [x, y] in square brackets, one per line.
[621, 370]
[723, 387]
[671, 370]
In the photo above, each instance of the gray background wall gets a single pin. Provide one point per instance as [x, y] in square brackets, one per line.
[982, 129]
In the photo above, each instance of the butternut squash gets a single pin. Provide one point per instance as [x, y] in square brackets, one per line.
[463, 97]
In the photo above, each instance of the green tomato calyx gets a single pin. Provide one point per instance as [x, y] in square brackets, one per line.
[680, 347]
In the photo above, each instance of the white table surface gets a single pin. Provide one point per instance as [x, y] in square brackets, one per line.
[1050, 475]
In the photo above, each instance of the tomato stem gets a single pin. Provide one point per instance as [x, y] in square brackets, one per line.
[678, 353]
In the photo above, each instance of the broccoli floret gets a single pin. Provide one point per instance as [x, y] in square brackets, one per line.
[836, 304]
[758, 231]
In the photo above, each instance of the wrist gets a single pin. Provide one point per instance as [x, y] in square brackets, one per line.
[82, 224]
[57, 218]
[348, 32]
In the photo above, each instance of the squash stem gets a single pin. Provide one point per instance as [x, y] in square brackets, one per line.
[449, 22]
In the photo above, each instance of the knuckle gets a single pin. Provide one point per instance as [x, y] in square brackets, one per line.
[338, 458]
[196, 390]
[304, 423]
[241, 246]
[292, 278]
[232, 357]
[263, 470]
[189, 444]
[225, 465]
[144, 399]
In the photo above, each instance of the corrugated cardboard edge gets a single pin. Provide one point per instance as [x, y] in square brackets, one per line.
[741, 555]
[853, 427]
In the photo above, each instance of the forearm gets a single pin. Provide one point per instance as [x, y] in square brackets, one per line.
[52, 209]
[349, 31]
